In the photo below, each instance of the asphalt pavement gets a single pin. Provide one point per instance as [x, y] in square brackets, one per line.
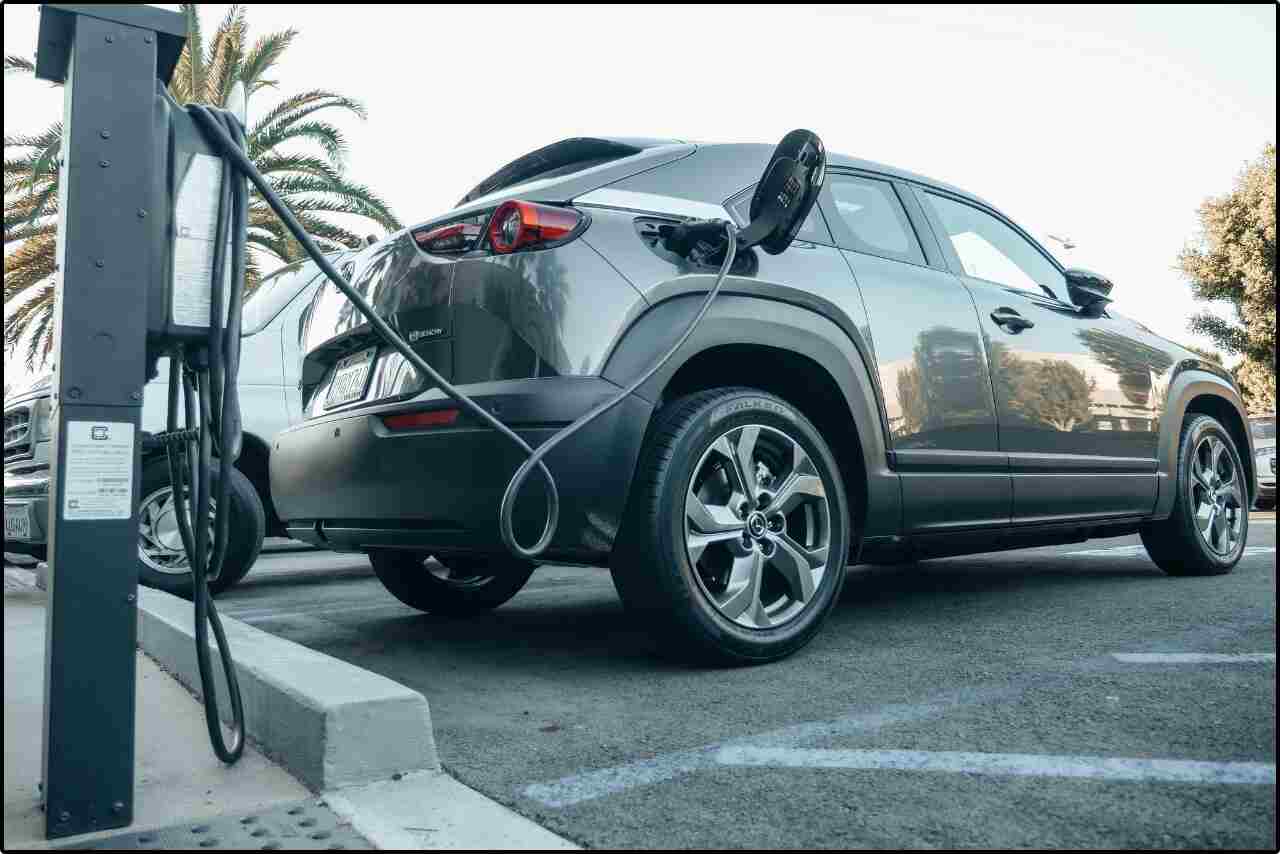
[1071, 696]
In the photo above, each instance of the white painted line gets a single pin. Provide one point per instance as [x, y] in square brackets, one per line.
[1194, 657]
[1140, 551]
[1005, 764]
[590, 785]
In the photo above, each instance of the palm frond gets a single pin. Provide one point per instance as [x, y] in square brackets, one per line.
[272, 164]
[28, 231]
[323, 134]
[21, 316]
[28, 209]
[40, 344]
[30, 263]
[13, 62]
[216, 56]
[290, 109]
[50, 136]
[188, 77]
[264, 54]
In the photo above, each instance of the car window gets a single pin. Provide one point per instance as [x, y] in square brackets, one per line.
[873, 219]
[990, 249]
[813, 229]
[1263, 428]
[272, 295]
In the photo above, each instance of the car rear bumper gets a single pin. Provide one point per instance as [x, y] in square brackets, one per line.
[346, 482]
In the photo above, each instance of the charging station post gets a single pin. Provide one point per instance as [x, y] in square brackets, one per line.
[108, 58]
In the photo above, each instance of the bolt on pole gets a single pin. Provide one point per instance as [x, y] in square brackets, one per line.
[108, 59]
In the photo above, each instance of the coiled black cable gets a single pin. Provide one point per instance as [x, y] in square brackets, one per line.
[205, 379]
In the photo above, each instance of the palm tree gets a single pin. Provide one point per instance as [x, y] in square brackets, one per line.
[301, 155]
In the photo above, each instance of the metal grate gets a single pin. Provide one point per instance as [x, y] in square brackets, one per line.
[304, 825]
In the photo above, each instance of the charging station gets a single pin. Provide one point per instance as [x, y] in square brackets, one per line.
[109, 59]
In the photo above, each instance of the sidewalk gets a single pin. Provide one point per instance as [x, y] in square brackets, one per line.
[184, 797]
[177, 779]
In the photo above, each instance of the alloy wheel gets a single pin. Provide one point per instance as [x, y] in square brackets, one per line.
[1217, 496]
[159, 542]
[757, 526]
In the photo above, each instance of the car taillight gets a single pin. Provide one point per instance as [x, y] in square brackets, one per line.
[419, 420]
[455, 237]
[524, 225]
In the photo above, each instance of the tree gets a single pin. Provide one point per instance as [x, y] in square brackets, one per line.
[301, 155]
[1234, 261]
[1056, 392]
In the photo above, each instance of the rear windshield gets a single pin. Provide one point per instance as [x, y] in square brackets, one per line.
[1263, 428]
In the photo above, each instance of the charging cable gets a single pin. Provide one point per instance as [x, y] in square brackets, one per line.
[203, 379]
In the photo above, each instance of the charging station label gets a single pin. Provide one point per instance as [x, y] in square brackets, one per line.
[196, 222]
[99, 471]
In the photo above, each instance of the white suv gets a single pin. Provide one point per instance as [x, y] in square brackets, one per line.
[270, 401]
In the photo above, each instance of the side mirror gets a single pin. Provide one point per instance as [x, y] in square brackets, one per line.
[1090, 291]
[787, 192]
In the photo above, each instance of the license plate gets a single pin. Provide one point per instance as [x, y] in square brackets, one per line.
[17, 523]
[350, 377]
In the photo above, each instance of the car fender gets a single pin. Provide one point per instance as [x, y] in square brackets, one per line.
[1189, 381]
[772, 320]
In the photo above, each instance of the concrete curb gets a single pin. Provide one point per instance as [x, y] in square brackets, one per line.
[330, 723]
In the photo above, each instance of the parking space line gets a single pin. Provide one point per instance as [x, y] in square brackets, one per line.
[1194, 657]
[1005, 764]
[589, 785]
[1141, 551]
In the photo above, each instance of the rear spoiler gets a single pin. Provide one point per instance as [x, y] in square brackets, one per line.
[557, 155]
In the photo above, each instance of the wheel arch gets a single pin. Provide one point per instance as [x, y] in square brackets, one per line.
[254, 465]
[1200, 392]
[788, 350]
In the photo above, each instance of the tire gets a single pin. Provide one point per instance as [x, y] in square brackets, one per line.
[453, 586]
[1177, 544]
[160, 553]
[670, 572]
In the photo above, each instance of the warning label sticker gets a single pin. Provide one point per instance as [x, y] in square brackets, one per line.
[195, 223]
[99, 471]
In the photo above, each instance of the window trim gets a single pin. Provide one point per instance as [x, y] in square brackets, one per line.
[953, 259]
[848, 241]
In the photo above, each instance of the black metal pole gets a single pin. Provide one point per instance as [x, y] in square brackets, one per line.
[109, 58]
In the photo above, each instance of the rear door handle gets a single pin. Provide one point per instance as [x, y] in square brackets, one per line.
[1010, 321]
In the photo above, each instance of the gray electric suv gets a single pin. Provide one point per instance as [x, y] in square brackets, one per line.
[915, 376]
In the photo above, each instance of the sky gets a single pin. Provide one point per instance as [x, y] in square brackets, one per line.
[1105, 124]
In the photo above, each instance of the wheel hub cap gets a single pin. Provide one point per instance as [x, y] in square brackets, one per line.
[1216, 496]
[159, 540]
[757, 526]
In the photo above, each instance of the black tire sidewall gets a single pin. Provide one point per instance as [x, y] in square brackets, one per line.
[405, 575]
[245, 534]
[720, 415]
[1196, 430]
